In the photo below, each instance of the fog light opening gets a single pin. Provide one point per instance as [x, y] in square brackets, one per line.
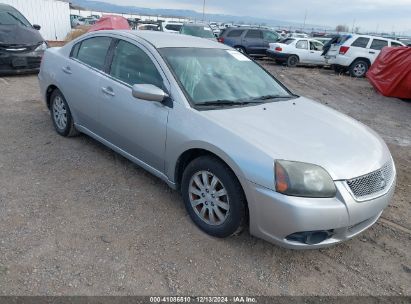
[310, 237]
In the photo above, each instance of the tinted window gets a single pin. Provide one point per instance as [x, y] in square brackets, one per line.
[361, 42]
[133, 66]
[235, 33]
[378, 44]
[302, 44]
[174, 27]
[395, 44]
[93, 51]
[12, 18]
[270, 36]
[256, 34]
[198, 31]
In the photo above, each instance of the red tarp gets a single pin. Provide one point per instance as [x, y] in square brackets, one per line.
[391, 72]
[110, 22]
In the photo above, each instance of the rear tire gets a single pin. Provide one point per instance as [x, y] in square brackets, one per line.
[213, 197]
[359, 68]
[61, 115]
[292, 61]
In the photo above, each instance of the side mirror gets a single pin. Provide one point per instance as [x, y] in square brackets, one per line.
[36, 27]
[148, 92]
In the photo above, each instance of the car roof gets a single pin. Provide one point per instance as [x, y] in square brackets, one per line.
[6, 7]
[169, 40]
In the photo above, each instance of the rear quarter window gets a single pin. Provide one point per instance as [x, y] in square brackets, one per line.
[395, 44]
[361, 42]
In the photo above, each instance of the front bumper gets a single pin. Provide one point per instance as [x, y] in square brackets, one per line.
[274, 216]
[20, 63]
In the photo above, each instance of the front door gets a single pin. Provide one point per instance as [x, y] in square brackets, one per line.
[136, 126]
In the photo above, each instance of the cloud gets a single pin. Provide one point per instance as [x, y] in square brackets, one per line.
[387, 15]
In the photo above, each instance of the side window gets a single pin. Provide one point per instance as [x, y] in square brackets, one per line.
[361, 42]
[395, 44]
[378, 44]
[254, 34]
[235, 33]
[302, 44]
[74, 50]
[133, 66]
[270, 36]
[93, 51]
[316, 46]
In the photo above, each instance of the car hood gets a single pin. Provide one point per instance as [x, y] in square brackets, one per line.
[306, 131]
[19, 35]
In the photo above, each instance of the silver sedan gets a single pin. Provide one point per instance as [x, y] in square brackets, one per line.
[213, 124]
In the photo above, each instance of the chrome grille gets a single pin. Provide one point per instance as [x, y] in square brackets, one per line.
[372, 184]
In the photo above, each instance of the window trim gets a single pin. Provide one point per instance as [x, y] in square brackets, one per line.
[110, 54]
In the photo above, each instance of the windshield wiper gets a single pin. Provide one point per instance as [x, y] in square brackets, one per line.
[266, 97]
[223, 102]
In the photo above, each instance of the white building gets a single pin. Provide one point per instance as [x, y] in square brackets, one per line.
[52, 15]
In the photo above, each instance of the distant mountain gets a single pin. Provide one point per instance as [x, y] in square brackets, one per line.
[114, 8]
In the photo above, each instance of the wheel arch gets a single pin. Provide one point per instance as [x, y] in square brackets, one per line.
[50, 89]
[361, 58]
[192, 153]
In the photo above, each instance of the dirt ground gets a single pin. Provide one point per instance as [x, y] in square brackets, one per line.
[78, 219]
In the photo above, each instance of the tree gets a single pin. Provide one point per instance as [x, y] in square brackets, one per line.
[342, 28]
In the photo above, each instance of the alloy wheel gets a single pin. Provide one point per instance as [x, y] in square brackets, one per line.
[209, 198]
[60, 113]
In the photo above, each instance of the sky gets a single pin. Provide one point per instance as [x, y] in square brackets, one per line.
[369, 15]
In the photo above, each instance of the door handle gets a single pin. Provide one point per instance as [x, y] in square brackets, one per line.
[372, 52]
[67, 70]
[108, 91]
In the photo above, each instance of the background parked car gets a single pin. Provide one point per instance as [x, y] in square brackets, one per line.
[202, 30]
[21, 45]
[296, 50]
[171, 26]
[356, 53]
[149, 27]
[75, 20]
[252, 41]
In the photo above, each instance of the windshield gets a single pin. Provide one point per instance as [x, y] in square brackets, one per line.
[198, 31]
[221, 76]
[13, 18]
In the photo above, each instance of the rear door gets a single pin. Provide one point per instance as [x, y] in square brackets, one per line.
[80, 77]
[254, 43]
[302, 50]
[375, 48]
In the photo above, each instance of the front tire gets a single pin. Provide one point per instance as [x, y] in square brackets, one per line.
[61, 116]
[213, 197]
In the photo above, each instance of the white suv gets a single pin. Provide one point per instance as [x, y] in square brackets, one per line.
[171, 26]
[356, 53]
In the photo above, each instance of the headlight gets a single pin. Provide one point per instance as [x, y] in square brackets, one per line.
[301, 179]
[41, 47]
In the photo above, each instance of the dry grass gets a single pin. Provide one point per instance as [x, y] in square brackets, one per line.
[77, 32]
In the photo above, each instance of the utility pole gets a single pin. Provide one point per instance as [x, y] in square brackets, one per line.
[204, 10]
[305, 18]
